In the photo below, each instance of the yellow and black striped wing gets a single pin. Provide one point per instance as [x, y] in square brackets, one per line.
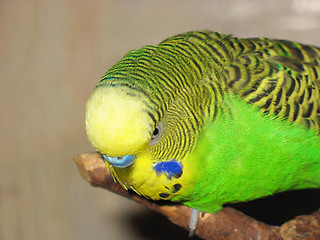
[280, 77]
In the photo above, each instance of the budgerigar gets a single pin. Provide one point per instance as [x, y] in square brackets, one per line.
[206, 119]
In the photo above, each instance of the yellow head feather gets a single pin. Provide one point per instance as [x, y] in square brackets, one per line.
[117, 123]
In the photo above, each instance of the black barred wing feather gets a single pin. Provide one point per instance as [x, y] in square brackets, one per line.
[282, 78]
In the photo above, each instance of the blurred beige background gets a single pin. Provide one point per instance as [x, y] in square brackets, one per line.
[52, 53]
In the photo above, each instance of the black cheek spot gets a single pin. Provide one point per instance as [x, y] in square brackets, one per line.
[176, 187]
[164, 195]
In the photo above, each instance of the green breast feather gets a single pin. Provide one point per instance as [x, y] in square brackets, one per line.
[207, 119]
[253, 156]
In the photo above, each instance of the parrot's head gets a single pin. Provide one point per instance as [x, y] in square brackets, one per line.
[118, 124]
[145, 121]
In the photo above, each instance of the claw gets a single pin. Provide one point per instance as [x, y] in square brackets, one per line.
[193, 221]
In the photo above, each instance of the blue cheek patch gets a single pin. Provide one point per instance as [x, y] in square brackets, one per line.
[171, 168]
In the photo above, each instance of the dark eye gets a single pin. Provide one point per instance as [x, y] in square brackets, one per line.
[157, 132]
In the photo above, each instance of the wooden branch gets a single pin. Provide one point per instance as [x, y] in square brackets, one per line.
[226, 224]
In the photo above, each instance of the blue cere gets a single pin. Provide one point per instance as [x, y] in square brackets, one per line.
[170, 168]
[120, 162]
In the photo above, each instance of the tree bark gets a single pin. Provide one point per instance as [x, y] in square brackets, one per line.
[226, 224]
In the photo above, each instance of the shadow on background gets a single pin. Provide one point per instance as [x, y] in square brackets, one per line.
[277, 209]
[152, 225]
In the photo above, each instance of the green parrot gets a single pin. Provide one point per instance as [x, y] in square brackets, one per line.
[205, 119]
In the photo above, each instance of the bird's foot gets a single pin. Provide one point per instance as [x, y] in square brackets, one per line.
[193, 221]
